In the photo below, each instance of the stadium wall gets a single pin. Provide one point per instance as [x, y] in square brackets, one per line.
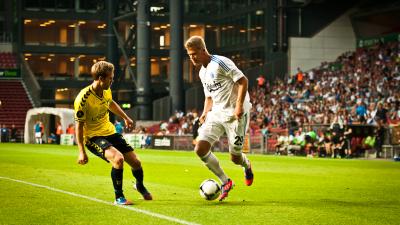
[326, 45]
[6, 47]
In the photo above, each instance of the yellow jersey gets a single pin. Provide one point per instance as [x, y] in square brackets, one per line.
[93, 111]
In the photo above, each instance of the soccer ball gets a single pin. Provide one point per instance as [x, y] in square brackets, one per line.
[209, 189]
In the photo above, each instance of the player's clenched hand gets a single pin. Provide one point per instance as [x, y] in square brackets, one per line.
[238, 112]
[202, 118]
[82, 158]
[130, 124]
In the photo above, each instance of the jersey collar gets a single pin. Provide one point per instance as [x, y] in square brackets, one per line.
[94, 93]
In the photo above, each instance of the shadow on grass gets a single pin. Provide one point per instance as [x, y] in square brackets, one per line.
[314, 203]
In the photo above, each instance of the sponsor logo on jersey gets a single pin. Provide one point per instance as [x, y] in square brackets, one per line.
[215, 86]
[100, 116]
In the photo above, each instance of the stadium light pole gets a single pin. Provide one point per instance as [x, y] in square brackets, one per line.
[143, 106]
[176, 50]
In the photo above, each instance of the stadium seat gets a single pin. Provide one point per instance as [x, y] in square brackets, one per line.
[14, 107]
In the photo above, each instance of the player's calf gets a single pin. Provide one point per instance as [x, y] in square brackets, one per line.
[248, 175]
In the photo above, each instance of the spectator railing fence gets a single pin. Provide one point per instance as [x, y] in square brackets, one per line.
[6, 37]
[255, 143]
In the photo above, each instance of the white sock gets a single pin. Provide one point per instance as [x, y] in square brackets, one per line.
[213, 164]
[245, 162]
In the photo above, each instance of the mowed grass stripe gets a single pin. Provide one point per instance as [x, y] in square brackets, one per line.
[146, 212]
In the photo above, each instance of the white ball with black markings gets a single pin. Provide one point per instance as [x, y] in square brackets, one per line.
[209, 189]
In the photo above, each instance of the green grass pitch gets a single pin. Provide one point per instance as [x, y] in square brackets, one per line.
[286, 190]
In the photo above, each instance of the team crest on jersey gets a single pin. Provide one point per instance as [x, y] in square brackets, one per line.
[79, 114]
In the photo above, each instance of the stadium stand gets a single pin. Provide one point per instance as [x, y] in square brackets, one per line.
[14, 103]
[8, 60]
[340, 85]
[355, 80]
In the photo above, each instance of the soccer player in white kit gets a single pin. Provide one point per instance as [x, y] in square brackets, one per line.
[226, 110]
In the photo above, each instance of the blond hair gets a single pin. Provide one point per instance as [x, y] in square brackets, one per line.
[196, 42]
[101, 69]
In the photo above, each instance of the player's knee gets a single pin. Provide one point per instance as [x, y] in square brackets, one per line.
[119, 160]
[237, 159]
[197, 149]
[202, 148]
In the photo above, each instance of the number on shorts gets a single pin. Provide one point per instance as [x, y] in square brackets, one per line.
[239, 140]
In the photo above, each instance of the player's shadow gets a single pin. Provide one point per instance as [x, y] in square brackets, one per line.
[294, 203]
[210, 203]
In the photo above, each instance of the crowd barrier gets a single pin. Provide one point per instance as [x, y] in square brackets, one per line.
[259, 143]
[256, 143]
[177, 142]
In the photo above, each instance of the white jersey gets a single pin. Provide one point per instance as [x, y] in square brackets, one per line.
[219, 82]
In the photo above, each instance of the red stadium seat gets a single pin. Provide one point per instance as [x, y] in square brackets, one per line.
[15, 107]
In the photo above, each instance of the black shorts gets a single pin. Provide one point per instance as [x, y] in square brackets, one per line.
[97, 145]
[336, 139]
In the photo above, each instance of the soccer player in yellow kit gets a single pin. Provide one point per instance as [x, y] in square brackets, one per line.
[95, 131]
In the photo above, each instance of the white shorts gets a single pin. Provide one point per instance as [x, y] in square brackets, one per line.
[215, 126]
[38, 134]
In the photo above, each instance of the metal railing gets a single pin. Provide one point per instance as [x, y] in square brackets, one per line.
[29, 79]
[6, 37]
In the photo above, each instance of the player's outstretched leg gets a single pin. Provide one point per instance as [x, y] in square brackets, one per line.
[117, 161]
[139, 186]
[203, 151]
[137, 172]
[213, 164]
[116, 176]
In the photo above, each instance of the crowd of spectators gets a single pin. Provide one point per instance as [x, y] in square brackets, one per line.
[179, 123]
[359, 87]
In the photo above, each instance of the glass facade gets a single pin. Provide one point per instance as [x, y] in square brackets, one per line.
[160, 36]
[236, 31]
[217, 6]
[60, 66]
[64, 32]
[232, 27]
[63, 5]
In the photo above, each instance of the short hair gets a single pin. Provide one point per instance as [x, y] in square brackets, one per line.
[196, 42]
[101, 69]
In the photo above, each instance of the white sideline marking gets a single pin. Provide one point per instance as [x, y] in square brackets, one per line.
[149, 213]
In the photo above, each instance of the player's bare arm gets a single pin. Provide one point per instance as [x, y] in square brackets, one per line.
[242, 90]
[82, 158]
[116, 109]
[208, 103]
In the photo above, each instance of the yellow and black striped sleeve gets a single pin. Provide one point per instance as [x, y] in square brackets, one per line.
[80, 105]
